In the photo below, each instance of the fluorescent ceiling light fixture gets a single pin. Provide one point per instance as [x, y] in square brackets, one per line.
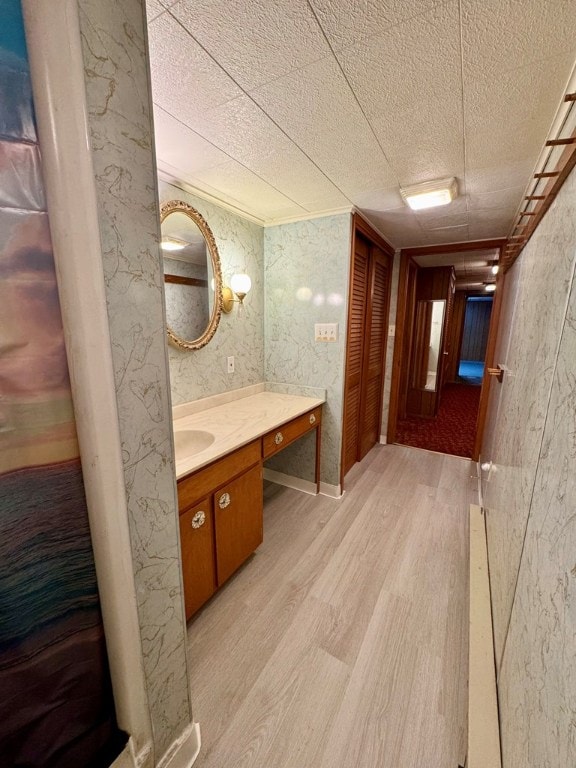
[490, 288]
[170, 244]
[430, 194]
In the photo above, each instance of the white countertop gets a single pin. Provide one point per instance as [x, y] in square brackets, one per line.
[237, 423]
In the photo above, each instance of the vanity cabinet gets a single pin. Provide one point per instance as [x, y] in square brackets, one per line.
[238, 521]
[221, 509]
[277, 439]
[198, 562]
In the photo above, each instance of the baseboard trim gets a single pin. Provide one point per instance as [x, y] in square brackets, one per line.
[289, 481]
[483, 726]
[306, 486]
[184, 751]
[333, 491]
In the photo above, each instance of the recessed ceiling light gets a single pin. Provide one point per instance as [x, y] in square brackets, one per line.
[430, 194]
[490, 288]
[495, 269]
[170, 244]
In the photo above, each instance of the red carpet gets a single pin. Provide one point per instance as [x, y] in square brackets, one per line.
[452, 431]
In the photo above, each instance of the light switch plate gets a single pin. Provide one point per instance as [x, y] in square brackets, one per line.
[230, 364]
[326, 331]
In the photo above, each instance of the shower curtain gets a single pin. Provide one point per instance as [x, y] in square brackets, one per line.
[56, 704]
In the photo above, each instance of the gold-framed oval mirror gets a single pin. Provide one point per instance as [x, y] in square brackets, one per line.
[192, 276]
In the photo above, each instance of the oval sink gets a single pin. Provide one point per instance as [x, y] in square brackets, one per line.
[187, 442]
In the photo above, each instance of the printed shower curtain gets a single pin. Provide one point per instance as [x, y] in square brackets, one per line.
[56, 705]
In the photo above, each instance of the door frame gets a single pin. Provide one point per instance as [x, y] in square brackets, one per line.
[360, 225]
[404, 324]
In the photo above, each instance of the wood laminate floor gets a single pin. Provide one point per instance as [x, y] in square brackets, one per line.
[342, 643]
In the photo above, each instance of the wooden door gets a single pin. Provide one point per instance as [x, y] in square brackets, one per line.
[374, 350]
[238, 521]
[198, 567]
[366, 343]
[355, 351]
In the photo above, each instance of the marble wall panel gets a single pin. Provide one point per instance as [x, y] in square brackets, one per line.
[201, 373]
[306, 275]
[543, 275]
[538, 678]
[118, 99]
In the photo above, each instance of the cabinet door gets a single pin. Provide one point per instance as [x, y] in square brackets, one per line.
[238, 521]
[198, 567]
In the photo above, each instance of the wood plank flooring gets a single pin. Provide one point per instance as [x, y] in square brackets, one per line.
[343, 641]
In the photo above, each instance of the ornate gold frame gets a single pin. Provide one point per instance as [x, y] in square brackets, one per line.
[172, 206]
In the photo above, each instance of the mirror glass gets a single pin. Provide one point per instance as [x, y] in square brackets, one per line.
[427, 348]
[192, 276]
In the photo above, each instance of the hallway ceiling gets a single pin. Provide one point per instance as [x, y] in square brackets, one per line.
[289, 108]
[473, 269]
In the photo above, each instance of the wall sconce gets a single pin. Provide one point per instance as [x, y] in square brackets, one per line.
[239, 285]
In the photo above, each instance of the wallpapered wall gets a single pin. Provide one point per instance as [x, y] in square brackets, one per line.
[529, 494]
[241, 247]
[306, 277]
[120, 123]
[56, 705]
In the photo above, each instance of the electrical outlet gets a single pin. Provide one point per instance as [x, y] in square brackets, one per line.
[230, 364]
[326, 331]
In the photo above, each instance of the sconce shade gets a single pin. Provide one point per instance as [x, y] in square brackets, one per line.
[240, 284]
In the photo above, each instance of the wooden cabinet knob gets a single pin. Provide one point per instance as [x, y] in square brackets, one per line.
[199, 519]
[278, 438]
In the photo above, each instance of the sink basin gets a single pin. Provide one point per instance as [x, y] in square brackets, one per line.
[187, 442]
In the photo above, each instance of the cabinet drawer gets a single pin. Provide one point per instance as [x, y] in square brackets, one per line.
[238, 521]
[279, 438]
[203, 482]
[198, 562]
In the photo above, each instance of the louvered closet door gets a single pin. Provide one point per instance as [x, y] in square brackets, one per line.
[374, 351]
[355, 353]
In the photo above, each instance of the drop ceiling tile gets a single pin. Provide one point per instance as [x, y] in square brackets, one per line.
[422, 145]
[503, 199]
[437, 218]
[185, 80]
[415, 65]
[489, 224]
[153, 9]
[380, 199]
[318, 111]
[245, 189]
[180, 147]
[503, 35]
[451, 235]
[245, 132]
[514, 174]
[255, 42]
[346, 23]
[507, 118]
[400, 227]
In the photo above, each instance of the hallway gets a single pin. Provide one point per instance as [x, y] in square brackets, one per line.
[343, 642]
